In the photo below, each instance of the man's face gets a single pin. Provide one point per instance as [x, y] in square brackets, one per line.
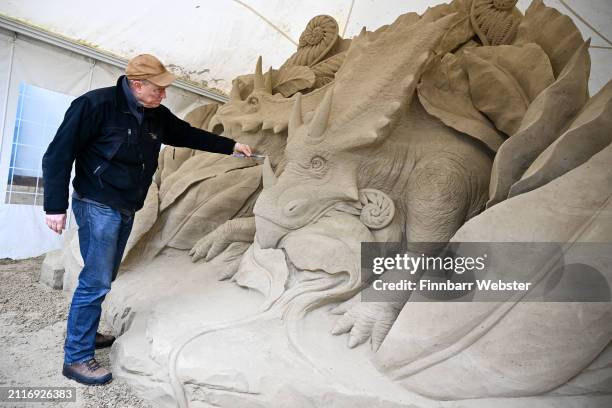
[149, 94]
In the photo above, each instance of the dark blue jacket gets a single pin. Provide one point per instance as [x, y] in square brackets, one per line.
[116, 156]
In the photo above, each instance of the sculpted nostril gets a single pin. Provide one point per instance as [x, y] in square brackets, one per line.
[294, 207]
[218, 129]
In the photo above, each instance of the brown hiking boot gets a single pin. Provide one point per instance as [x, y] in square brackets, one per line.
[89, 372]
[104, 340]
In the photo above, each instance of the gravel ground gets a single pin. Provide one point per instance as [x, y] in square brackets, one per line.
[32, 330]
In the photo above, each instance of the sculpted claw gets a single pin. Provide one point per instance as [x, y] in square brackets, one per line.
[365, 321]
[200, 249]
[353, 341]
[343, 325]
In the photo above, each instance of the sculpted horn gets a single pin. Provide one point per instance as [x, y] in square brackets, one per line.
[268, 82]
[259, 79]
[295, 120]
[235, 92]
[321, 116]
[269, 179]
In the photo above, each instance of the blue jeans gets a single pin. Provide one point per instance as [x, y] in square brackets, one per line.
[103, 234]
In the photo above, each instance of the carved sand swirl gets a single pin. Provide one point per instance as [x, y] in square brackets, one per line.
[318, 38]
[378, 208]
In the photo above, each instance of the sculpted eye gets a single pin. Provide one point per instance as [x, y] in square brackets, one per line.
[318, 166]
[253, 100]
[317, 163]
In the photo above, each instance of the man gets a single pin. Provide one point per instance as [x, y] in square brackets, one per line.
[114, 134]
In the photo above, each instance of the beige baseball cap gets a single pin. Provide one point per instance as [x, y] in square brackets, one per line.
[146, 66]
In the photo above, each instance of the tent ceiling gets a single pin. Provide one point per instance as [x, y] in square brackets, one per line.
[211, 42]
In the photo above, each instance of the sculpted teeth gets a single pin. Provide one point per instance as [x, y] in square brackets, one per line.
[251, 126]
[280, 127]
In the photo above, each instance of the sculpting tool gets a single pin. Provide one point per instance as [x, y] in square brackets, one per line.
[253, 156]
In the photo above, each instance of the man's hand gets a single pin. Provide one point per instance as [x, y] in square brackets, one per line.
[57, 222]
[243, 148]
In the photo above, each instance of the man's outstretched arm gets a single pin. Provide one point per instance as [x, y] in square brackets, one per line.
[182, 134]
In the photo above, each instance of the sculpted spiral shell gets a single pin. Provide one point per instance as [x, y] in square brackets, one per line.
[318, 38]
[377, 210]
[495, 21]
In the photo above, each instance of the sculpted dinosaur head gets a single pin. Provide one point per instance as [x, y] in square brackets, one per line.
[253, 114]
[258, 116]
[312, 182]
[326, 146]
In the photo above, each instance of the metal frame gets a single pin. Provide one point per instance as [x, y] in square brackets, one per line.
[21, 28]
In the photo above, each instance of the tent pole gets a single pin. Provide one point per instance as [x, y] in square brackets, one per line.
[9, 77]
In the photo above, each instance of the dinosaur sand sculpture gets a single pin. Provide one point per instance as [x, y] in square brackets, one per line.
[469, 123]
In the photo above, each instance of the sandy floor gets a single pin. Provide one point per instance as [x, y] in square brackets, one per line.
[32, 328]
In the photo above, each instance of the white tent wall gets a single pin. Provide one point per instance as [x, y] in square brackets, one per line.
[24, 60]
[22, 229]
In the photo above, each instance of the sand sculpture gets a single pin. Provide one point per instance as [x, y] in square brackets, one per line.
[471, 122]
